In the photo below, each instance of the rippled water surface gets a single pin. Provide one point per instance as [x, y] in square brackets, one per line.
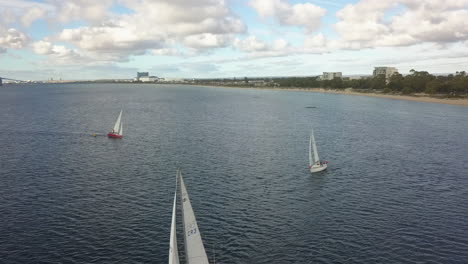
[396, 190]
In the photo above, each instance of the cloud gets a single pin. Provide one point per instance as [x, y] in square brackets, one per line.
[257, 47]
[250, 44]
[88, 10]
[316, 41]
[26, 12]
[12, 38]
[158, 26]
[167, 52]
[59, 54]
[305, 15]
[370, 23]
[32, 15]
[206, 41]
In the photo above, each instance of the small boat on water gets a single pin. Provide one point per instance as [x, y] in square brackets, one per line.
[117, 131]
[315, 165]
[194, 249]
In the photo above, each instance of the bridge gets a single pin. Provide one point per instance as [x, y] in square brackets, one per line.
[3, 78]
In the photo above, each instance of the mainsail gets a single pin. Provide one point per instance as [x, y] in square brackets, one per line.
[118, 125]
[311, 162]
[316, 156]
[173, 251]
[194, 249]
[121, 128]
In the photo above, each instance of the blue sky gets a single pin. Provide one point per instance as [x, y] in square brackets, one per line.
[85, 39]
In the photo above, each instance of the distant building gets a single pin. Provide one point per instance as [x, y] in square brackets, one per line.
[331, 75]
[149, 79]
[141, 74]
[386, 71]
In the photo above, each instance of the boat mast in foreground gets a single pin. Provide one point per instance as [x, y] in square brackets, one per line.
[173, 251]
[194, 249]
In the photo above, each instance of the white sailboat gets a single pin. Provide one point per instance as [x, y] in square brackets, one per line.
[194, 250]
[117, 131]
[315, 165]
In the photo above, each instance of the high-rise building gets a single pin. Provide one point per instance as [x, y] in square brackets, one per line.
[142, 74]
[331, 75]
[386, 71]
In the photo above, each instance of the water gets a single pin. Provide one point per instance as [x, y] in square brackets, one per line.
[396, 190]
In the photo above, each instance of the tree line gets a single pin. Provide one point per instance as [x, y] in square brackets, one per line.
[415, 82]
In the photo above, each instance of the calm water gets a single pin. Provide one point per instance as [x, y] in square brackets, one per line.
[396, 190]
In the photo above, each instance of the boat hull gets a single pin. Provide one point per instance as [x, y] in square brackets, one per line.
[318, 168]
[112, 135]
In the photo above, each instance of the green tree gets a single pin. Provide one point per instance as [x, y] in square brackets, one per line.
[433, 87]
[417, 80]
[378, 82]
[396, 82]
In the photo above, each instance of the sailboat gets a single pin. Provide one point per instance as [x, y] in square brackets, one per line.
[194, 250]
[117, 131]
[315, 165]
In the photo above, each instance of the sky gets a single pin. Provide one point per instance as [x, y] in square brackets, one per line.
[113, 39]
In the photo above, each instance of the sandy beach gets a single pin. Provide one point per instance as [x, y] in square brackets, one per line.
[417, 98]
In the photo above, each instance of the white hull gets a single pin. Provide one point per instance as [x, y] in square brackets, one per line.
[317, 168]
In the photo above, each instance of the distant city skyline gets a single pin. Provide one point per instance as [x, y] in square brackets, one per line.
[114, 39]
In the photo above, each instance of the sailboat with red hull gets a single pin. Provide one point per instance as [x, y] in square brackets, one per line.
[117, 131]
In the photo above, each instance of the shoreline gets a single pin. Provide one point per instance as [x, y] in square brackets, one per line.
[416, 98]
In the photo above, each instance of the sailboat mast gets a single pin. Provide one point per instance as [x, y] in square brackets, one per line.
[173, 251]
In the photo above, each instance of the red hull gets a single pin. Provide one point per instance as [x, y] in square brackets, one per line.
[112, 135]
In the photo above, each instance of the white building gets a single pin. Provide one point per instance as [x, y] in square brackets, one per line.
[331, 75]
[387, 71]
[149, 79]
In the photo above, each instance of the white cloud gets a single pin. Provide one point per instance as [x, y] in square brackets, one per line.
[256, 48]
[157, 26]
[89, 10]
[12, 38]
[166, 52]
[250, 44]
[26, 12]
[316, 41]
[59, 54]
[33, 14]
[206, 41]
[304, 15]
[365, 24]
[42, 47]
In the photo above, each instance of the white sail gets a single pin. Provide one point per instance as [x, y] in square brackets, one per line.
[173, 251]
[311, 162]
[121, 128]
[194, 249]
[316, 156]
[117, 123]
